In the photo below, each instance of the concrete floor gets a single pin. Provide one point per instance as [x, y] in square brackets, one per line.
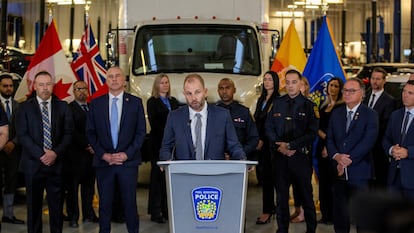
[253, 210]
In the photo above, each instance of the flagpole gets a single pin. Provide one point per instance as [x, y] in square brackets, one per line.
[71, 27]
[42, 19]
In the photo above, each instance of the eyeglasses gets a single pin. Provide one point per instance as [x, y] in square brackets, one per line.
[81, 89]
[350, 91]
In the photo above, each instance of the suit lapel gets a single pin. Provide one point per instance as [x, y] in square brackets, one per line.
[355, 118]
[209, 121]
[125, 103]
[187, 131]
[37, 118]
[107, 122]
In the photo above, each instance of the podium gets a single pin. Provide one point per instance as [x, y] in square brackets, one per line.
[206, 195]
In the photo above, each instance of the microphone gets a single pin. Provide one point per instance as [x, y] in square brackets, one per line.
[189, 122]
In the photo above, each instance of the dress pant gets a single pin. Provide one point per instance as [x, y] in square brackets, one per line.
[45, 178]
[157, 199]
[126, 177]
[83, 178]
[9, 164]
[325, 188]
[343, 191]
[287, 170]
[266, 179]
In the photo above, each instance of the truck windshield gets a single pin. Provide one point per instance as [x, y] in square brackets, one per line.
[211, 48]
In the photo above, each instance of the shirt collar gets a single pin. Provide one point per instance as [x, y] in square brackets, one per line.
[203, 111]
[120, 96]
[41, 101]
[378, 93]
[353, 109]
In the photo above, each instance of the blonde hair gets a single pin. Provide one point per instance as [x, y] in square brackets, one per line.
[156, 86]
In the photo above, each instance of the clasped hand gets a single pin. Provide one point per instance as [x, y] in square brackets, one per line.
[48, 158]
[399, 152]
[284, 149]
[116, 158]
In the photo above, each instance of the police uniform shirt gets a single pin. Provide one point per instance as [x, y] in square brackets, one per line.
[304, 119]
[243, 123]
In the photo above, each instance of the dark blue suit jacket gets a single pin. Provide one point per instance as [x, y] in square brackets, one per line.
[220, 136]
[393, 136]
[131, 131]
[357, 142]
[30, 133]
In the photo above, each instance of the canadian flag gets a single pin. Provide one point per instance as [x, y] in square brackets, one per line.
[51, 58]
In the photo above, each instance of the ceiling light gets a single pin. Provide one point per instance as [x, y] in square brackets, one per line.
[69, 2]
[288, 14]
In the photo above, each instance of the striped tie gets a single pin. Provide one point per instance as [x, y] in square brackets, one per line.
[47, 138]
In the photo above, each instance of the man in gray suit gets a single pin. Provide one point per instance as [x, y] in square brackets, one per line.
[10, 155]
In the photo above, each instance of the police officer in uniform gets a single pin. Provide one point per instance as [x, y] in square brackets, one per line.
[242, 119]
[291, 127]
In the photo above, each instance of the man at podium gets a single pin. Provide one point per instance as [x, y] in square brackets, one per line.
[199, 131]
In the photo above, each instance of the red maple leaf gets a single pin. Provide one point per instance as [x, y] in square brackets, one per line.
[61, 89]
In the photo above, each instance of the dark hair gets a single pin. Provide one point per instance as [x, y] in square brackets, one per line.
[341, 86]
[6, 75]
[380, 70]
[409, 82]
[43, 72]
[294, 72]
[275, 78]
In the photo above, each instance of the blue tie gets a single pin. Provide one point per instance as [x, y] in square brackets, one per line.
[114, 122]
[8, 111]
[47, 139]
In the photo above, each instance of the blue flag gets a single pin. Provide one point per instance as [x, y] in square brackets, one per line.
[323, 63]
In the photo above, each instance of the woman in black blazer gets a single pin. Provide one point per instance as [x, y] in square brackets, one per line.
[270, 90]
[158, 107]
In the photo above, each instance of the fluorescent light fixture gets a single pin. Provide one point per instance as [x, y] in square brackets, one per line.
[317, 2]
[69, 2]
[287, 14]
[292, 6]
[311, 6]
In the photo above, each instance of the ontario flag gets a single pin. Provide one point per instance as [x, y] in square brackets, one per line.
[89, 66]
[323, 63]
[51, 58]
[290, 55]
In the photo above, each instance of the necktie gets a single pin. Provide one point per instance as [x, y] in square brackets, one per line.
[348, 120]
[85, 107]
[47, 139]
[198, 144]
[8, 111]
[405, 125]
[114, 122]
[371, 104]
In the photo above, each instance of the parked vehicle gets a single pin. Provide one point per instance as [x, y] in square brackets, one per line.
[390, 68]
[15, 60]
[214, 38]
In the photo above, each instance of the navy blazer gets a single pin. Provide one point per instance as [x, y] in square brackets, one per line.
[384, 106]
[131, 131]
[220, 136]
[30, 133]
[393, 136]
[357, 142]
